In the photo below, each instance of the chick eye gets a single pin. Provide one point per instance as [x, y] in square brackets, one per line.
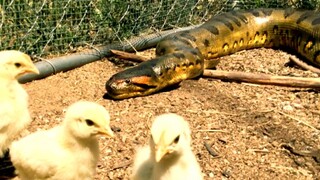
[176, 140]
[17, 65]
[89, 122]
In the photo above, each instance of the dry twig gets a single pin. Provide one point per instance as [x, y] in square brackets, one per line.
[304, 65]
[212, 130]
[299, 121]
[264, 79]
[121, 165]
[259, 150]
[315, 153]
[129, 56]
[210, 150]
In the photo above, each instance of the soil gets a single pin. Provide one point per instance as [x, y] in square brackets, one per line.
[247, 126]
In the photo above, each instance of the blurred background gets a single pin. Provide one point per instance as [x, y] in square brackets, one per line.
[55, 27]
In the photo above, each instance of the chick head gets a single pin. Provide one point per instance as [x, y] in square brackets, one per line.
[15, 63]
[170, 135]
[86, 119]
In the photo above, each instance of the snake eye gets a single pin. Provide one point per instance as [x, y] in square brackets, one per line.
[127, 81]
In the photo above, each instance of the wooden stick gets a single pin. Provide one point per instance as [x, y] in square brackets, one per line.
[129, 56]
[241, 76]
[264, 79]
[304, 65]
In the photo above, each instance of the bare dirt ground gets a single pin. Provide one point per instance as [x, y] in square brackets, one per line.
[246, 125]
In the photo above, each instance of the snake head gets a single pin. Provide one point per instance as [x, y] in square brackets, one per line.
[136, 81]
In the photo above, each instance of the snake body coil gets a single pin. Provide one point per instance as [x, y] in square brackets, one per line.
[184, 55]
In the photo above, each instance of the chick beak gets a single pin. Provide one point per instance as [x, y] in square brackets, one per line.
[160, 152]
[106, 131]
[32, 69]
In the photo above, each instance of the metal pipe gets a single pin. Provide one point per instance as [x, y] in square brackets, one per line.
[60, 64]
[66, 63]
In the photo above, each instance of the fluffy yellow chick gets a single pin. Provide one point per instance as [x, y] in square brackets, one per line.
[68, 151]
[14, 113]
[169, 155]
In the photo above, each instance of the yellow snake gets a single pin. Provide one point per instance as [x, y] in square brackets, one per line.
[184, 55]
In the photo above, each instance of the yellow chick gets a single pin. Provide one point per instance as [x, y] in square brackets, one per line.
[169, 155]
[14, 113]
[68, 151]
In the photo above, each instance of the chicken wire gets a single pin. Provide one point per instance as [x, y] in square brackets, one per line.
[43, 27]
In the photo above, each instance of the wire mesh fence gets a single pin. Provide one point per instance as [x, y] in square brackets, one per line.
[46, 27]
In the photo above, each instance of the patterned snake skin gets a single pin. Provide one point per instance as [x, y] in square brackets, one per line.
[184, 55]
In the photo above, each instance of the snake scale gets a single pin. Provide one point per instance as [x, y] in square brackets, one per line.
[185, 55]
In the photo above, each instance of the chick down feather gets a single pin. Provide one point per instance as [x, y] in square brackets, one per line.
[169, 155]
[67, 151]
[14, 113]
